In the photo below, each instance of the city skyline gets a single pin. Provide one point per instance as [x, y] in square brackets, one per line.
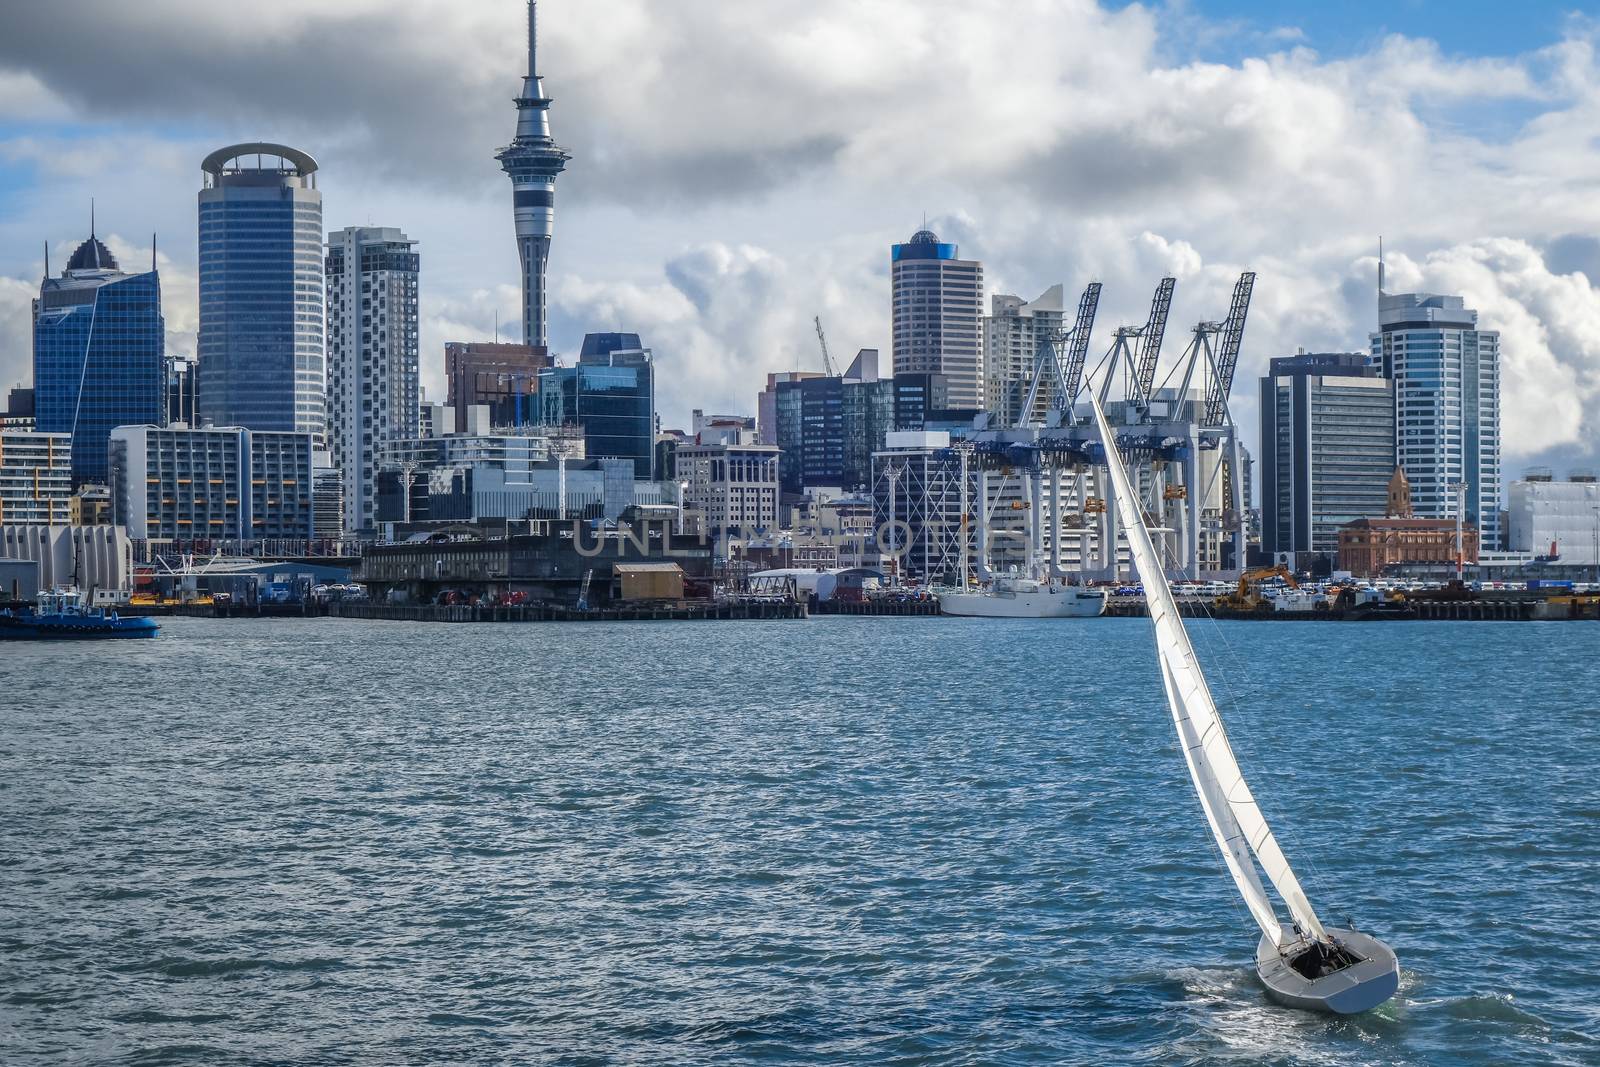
[716, 226]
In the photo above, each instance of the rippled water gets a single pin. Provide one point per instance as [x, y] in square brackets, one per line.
[876, 841]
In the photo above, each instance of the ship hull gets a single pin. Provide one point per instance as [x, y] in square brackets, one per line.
[30, 629]
[1067, 602]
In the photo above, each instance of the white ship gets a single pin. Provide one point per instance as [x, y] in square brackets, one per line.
[1016, 597]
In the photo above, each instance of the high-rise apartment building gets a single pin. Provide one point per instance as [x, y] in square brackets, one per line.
[532, 161]
[35, 478]
[261, 302]
[1327, 449]
[937, 302]
[217, 483]
[99, 354]
[1011, 336]
[373, 387]
[1446, 375]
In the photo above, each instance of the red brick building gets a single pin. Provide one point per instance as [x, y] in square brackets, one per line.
[1368, 546]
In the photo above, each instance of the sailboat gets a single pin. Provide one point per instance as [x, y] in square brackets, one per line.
[1301, 963]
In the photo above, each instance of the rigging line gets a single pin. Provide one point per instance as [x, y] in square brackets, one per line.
[83, 370]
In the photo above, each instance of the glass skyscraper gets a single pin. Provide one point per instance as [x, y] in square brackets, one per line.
[610, 393]
[1446, 376]
[262, 359]
[99, 355]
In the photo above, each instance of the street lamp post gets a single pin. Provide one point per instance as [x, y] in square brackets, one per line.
[1597, 544]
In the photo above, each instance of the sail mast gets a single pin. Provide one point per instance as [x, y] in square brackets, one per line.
[1229, 805]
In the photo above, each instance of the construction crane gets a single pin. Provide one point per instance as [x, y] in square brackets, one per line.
[822, 339]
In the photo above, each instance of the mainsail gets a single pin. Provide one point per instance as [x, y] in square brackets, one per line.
[1236, 821]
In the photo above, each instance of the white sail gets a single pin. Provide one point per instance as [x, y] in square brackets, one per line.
[1229, 805]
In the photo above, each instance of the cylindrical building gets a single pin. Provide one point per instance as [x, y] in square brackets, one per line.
[262, 359]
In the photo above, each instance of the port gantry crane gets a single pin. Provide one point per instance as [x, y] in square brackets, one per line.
[1213, 356]
[1189, 448]
[1057, 366]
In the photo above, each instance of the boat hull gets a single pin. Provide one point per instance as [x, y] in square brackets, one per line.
[1068, 602]
[81, 629]
[1354, 989]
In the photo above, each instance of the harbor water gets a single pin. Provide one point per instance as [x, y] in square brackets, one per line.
[839, 840]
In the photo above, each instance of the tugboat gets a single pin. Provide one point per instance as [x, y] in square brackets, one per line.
[61, 615]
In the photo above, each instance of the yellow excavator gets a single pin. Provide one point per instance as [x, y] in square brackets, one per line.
[1247, 597]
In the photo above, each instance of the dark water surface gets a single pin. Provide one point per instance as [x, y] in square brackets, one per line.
[870, 841]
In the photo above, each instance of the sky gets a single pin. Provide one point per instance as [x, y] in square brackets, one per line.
[740, 168]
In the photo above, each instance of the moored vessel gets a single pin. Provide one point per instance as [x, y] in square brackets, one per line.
[60, 615]
[1017, 597]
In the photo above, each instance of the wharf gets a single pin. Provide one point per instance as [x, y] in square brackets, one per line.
[1486, 609]
[884, 606]
[682, 611]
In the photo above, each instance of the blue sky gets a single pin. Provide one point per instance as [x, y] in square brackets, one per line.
[1343, 28]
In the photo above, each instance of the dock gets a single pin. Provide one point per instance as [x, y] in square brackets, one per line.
[684, 611]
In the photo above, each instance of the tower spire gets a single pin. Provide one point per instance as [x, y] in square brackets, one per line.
[91, 218]
[533, 38]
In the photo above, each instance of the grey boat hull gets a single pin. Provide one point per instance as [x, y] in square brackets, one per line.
[1348, 991]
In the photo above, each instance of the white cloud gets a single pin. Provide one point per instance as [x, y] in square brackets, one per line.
[740, 168]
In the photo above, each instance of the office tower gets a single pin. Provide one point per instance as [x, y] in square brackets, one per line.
[610, 394]
[829, 427]
[503, 377]
[19, 409]
[373, 387]
[1327, 449]
[224, 483]
[732, 481]
[261, 308]
[533, 160]
[938, 315]
[99, 354]
[767, 402]
[919, 398]
[35, 478]
[1011, 336]
[183, 402]
[1446, 375]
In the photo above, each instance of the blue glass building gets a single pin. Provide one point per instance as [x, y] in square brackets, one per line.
[262, 319]
[610, 393]
[99, 355]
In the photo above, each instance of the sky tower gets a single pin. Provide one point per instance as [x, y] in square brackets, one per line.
[533, 159]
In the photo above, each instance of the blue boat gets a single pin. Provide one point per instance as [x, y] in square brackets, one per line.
[61, 616]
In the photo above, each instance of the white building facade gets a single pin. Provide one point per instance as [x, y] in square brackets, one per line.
[1542, 513]
[733, 484]
[35, 478]
[1011, 336]
[374, 391]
